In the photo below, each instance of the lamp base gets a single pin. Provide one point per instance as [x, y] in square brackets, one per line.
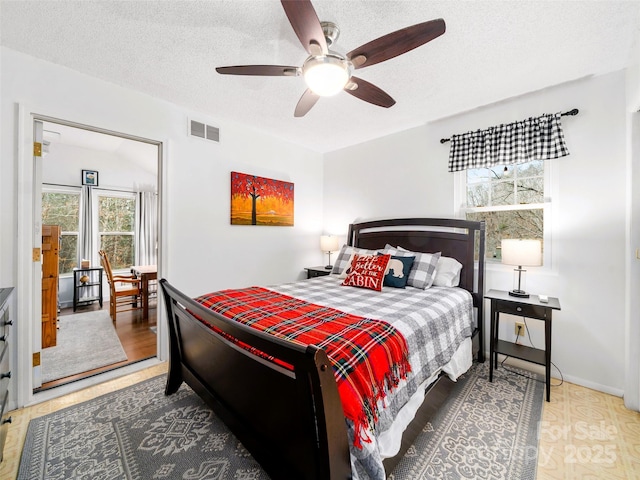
[519, 293]
[328, 267]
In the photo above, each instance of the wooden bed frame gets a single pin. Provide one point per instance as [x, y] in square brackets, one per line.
[292, 421]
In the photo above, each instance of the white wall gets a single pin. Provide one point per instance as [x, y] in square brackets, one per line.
[64, 164]
[206, 252]
[224, 256]
[632, 332]
[398, 175]
[203, 251]
[406, 175]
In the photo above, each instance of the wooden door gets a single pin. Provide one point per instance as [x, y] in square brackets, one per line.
[50, 250]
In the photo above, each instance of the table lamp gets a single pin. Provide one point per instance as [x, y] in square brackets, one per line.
[523, 253]
[329, 243]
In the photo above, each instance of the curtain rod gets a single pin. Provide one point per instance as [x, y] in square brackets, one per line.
[570, 112]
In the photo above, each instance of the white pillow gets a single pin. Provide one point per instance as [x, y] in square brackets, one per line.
[447, 272]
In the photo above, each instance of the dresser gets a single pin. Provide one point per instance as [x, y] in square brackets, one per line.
[6, 324]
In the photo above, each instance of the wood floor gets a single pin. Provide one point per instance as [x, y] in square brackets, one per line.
[136, 337]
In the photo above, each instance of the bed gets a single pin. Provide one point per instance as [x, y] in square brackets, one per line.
[291, 419]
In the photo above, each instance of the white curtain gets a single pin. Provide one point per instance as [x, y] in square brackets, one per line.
[147, 229]
[87, 234]
[538, 138]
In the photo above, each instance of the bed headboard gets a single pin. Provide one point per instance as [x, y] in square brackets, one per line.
[453, 237]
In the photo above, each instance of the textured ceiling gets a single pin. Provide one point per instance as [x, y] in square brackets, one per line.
[492, 50]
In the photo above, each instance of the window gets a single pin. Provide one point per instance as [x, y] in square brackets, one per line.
[510, 199]
[63, 208]
[116, 226]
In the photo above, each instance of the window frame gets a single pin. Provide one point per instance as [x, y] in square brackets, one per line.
[97, 192]
[69, 190]
[550, 192]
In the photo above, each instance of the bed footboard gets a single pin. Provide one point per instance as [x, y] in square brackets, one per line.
[290, 419]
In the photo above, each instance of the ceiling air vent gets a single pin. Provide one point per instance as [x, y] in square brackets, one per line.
[204, 131]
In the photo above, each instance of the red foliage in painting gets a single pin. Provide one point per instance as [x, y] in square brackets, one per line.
[253, 186]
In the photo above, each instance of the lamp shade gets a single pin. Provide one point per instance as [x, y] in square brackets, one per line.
[522, 252]
[326, 75]
[329, 243]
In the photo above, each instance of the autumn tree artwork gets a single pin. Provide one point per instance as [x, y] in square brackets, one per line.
[260, 201]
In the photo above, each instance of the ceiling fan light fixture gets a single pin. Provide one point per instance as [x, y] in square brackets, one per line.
[326, 75]
[326, 72]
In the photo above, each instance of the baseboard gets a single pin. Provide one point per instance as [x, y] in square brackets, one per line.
[539, 369]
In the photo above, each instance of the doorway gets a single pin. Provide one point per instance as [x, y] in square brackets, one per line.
[123, 169]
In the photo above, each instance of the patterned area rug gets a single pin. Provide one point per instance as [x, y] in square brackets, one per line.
[487, 430]
[484, 431]
[85, 341]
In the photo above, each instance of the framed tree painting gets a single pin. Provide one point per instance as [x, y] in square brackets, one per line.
[260, 201]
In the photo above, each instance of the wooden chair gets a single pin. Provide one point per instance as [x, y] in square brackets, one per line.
[124, 291]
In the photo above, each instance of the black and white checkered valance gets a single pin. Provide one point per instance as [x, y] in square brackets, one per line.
[538, 138]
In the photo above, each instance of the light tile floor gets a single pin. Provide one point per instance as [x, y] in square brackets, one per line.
[583, 434]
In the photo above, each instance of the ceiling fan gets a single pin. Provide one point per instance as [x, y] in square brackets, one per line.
[327, 72]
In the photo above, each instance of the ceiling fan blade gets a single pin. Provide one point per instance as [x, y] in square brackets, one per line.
[305, 103]
[264, 70]
[369, 92]
[396, 43]
[304, 20]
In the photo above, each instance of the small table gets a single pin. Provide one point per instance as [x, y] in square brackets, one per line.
[313, 272]
[87, 288]
[532, 307]
[145, 273]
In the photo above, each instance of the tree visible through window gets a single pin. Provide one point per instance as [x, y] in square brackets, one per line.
[510, 199]
[63, 209]
[116, 219]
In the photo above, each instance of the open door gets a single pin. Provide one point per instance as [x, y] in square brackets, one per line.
[39, 298]
[37, 285]
[50, 269]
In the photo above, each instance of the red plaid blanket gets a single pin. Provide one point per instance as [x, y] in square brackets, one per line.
[369, 357]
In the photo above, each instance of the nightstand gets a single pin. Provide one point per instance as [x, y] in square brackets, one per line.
[532, 307]
[313, 272]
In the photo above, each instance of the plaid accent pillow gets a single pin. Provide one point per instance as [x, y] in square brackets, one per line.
[367, 271]
[423, 270]
[343, 262]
